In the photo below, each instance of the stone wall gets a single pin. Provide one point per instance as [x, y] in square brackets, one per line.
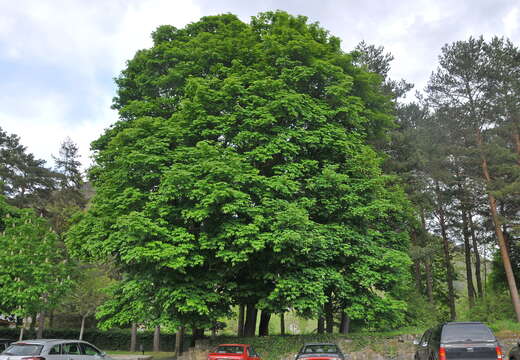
[392, 348]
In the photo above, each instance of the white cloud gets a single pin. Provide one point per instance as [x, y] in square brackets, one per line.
[65, 52]
[86, 43]
[511, 21]
[141, 18]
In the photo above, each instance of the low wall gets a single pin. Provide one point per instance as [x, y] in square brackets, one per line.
[392, 348]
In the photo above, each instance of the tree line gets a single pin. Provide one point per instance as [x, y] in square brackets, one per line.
[459, 154]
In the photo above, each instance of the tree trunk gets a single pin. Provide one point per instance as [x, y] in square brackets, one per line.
[33, 321]
[516, 137]
[133, 338]
[240, 330]
[447, 262]
[429, 278]
[478, 275]
[157, 339]
[250, 325]
[345, 323]
[41, 325]
[193, 337]
[22, 328]
[82, 329]
[51, 319]
[329, 315]
[467, 256]
[500, 236]
[196, 334]
[265, 317]
[427, 264]
[282, 324]
[179, 341]
[416, 265]
[321, 325]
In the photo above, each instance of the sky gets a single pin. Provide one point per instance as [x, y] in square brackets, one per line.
[58, 58]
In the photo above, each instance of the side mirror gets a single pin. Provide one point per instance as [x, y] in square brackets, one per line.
[518, 343]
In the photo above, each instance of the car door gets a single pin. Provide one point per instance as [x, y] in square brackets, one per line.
[434, 343]
[71, 351]
[251, 354]
[54, 353]
[89, 352]
[422, 347]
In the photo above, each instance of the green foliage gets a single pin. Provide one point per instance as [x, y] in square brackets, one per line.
[421, 313]
[115, 339]
[494, 307]
[240, 173]
[68, 197]
[34, 273]
[24, 180]
[88, 291]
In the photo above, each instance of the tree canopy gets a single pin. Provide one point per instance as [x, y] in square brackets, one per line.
[34, 272]
[240, 173]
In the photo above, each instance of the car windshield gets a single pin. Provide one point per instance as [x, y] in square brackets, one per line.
[23, 349]
[316, 349]
[230, 349]
[466, 332]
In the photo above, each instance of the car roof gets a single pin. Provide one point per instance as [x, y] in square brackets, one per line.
[316, 343]
[233, 345]
[47, 341]
[464, 323]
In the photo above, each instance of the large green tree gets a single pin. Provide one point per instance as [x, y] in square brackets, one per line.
[240, 172]
[35, 273]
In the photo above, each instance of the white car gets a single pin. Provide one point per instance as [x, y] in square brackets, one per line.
[52, 349]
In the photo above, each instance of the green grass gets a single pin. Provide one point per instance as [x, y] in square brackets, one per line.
[161, 355]
[505, 328]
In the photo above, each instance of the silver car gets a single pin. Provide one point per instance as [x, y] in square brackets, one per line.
[52, 349]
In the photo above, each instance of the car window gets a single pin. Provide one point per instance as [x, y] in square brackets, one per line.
[466, 332]
[55, 350]
[71, 349]
[252, 352]
[24, 349]
[226, 349]
[89, 350]
[425, 338]
[436, 335]
[322, 348]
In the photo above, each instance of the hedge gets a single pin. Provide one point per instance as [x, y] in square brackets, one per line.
[106, 340]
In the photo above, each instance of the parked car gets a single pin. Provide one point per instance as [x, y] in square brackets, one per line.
[514, 353]
[52, 349]
[4, 343]
[233, 352]
[320, 351]
[459, 340]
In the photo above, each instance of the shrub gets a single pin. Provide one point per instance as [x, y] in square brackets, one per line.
[118, 339]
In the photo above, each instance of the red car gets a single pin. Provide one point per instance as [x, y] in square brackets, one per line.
[234, 352]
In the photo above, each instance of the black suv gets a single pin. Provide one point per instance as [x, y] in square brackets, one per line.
[459, 340]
